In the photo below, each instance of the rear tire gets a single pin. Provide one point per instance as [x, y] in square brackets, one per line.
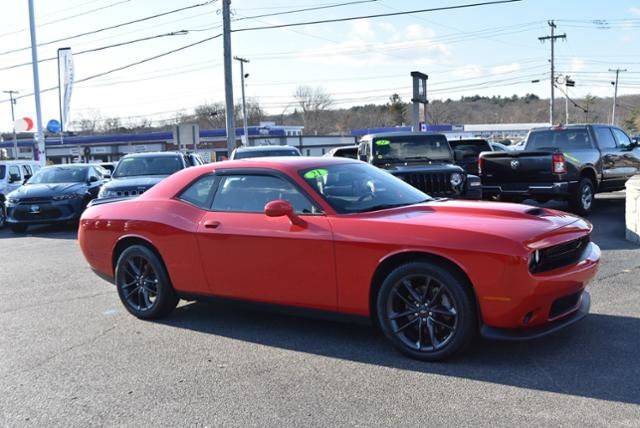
[19, 228]
[143, 284]
[426, 311]
[581, 202]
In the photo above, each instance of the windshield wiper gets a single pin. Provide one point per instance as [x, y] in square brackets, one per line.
[424, 158]
[389, 206]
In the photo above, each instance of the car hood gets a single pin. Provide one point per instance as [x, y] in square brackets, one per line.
[416, 167]
[524, 224]
[47, 190]
[134, 182]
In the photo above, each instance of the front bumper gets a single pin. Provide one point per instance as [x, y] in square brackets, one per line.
[45, 212]
[582, 310]
[552, 190]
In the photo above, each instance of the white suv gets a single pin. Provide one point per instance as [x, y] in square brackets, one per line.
[12, 175]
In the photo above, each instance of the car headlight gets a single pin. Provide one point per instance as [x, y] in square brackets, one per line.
[106, 193]
[67, 196]
[12, 201]
[456, 179]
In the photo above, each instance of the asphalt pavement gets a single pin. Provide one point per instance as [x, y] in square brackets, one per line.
[70, 355]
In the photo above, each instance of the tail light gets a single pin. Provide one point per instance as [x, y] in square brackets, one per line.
[559, 165]
[480, 164]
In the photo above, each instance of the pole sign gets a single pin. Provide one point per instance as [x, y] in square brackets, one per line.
[65, 84]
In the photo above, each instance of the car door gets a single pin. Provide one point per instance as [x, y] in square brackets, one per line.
[609, 157]
[248, 255]
[629, 154]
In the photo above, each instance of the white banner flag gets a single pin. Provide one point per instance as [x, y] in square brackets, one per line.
[65, 76]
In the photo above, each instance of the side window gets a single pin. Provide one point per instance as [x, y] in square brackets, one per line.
[199, 192]
[93, 174]
[605, 138]
[250, 193]
[14, 171]
[623, 140]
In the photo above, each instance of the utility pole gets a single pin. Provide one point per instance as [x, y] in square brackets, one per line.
[40, 151]
[615, 92]
[245, 126]
[13, 121]
[553, 37]
[228, 78]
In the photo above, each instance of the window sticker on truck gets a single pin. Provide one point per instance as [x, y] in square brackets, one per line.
[383, 143]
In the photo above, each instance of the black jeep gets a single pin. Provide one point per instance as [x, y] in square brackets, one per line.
[423, 159]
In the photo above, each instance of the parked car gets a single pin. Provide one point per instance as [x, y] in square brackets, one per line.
[245, 152]
[12, 175]
[467, 151]
[109, 166]
[136, 173]
[350, 152]
[431, 273]
[55, 194]
[423, 159]
[570, 163]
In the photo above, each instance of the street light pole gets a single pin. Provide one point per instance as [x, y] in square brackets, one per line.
[245, 126]
[40, 151]
[615, 93]
[13, 122]
[228, 78]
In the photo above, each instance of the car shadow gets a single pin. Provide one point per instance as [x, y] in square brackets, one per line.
[596, 358]
[51, 231]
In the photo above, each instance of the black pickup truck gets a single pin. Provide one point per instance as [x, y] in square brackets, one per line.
[570, 163]
[424, 160]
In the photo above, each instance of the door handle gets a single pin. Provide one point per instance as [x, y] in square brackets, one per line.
[211, 224]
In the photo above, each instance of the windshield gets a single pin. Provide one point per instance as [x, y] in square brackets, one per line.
[470, 146]
[264, 153]
[563, 139]
[360, 187]
[147, 165]
[411, 147]
[59, 174]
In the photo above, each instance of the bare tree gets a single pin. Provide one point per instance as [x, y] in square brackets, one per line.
[313, 102]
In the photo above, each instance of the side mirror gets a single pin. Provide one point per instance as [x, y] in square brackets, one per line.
[107, 176]
[93, 179]
[281, 208]
[362, 157]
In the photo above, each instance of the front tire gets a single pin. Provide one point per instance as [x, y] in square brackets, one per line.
[3, 215]
[581, 202]
[426, 311]
[143, 284]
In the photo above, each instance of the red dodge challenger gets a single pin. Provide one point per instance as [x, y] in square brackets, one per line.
[341, 236]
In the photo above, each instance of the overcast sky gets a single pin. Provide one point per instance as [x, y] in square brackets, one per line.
[490, 50]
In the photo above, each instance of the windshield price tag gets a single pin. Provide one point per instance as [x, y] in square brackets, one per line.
[315, 173]
[383, 143]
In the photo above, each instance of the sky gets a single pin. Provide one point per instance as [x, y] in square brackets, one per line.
[488, 50]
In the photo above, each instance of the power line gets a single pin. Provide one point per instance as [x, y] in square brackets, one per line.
[308, 9]
[377, 15]
[101, 48]
[111, 27]
[66, 18]
[126, 66]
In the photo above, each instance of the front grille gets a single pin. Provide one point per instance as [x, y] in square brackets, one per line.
[434, 184]
[561, 255]
[44, 213]
[564, 304]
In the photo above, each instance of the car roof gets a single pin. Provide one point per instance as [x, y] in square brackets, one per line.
[399, 134]
[570, 126]
[70, 165]
[285, 163]
[262, 148]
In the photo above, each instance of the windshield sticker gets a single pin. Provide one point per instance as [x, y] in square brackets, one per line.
[383, 142]
[315, 173]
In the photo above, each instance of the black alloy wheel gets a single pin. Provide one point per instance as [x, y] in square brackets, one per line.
[143, 284]
[426, 311]
[582, 201]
